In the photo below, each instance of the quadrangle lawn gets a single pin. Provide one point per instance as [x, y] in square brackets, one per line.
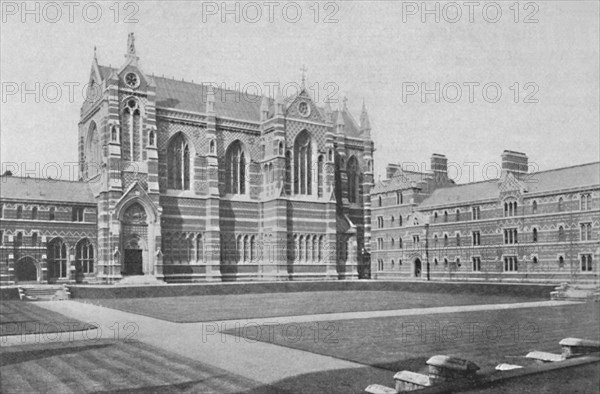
[109, 366]
[21, 317]
[245, 306]
[404, 343]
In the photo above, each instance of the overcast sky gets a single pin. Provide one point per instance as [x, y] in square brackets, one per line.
[371, 50]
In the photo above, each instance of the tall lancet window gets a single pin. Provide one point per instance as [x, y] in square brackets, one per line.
[303, 164]
[352, 174]
[93, 152]
[178, 159]
[235, 169]
[131, 144]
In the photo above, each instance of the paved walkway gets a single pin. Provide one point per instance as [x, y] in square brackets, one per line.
[259, 361]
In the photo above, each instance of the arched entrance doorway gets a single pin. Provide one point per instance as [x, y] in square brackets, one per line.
[417, 268]
[134, 233]
[133, 261]
[26, 270]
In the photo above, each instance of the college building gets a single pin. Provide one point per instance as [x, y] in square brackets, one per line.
[182, 181]
[524, 226]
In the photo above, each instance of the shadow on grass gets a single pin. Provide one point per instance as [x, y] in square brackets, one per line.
[9, 357]
[353, 380]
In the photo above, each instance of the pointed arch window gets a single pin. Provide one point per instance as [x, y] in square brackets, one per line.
[34, 213]
[235, 176]
[93, 153]
[131, 145]
[534, 207]
[57, 258]
[561, 233]
[352, 175]
[303, 164]
[178, 158]
[20, 212]
[560, 204]
[84, 255]
[320, 169]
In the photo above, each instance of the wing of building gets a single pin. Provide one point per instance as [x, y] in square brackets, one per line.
[189, 182]
[522, 226]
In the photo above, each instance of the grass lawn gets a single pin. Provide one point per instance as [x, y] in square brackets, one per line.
[404, 343]
[20, 317]
[86, 366]
[227, 307]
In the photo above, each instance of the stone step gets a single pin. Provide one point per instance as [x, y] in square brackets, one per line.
[43, 293]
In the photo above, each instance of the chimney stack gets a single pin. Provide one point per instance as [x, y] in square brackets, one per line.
[439, 167]
[516, 163]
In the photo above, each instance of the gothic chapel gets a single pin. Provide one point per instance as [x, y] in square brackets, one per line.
[195, 183]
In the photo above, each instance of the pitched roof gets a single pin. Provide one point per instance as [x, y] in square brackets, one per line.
[401, 180]
[19, 188]
[189, 96]
[583, 175]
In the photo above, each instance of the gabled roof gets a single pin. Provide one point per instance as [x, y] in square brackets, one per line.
[351, 128]
[189, 96]
[584, 175]
[402, 180]
[19, 188]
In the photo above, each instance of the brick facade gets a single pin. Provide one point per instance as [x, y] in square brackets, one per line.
[194, 183]
[538, 227]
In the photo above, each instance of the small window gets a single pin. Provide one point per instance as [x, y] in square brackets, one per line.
[400, 220]
[19, 240]
[445, 216]
[20, 212]
[457, 239]
[458, 264]
[458, 215]
[1, 237]
[535, 260]
[435, 217]
[560, 204]
[34, 239]
[534, 207]
[476, 264]
[400, 243]
[34, 213]
[379, 200]
[586, 263]
[476, 238]
[445, 239]
[561, 262]
[561, 233]
[535, 235]
[51, 214]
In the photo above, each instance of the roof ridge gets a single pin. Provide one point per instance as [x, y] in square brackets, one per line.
[41, 179]
[567, 167]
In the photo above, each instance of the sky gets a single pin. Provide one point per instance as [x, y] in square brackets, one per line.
[527, 72]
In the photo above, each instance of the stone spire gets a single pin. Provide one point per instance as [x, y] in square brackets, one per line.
[210, 100]
[340, 124]
[303, 70]
[264, 108]
[365, 123]
[328, 112]
[278, 103]
[131, 54]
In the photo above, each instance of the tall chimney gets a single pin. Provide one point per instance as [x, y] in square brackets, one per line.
[439, 167]
[516, 163]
